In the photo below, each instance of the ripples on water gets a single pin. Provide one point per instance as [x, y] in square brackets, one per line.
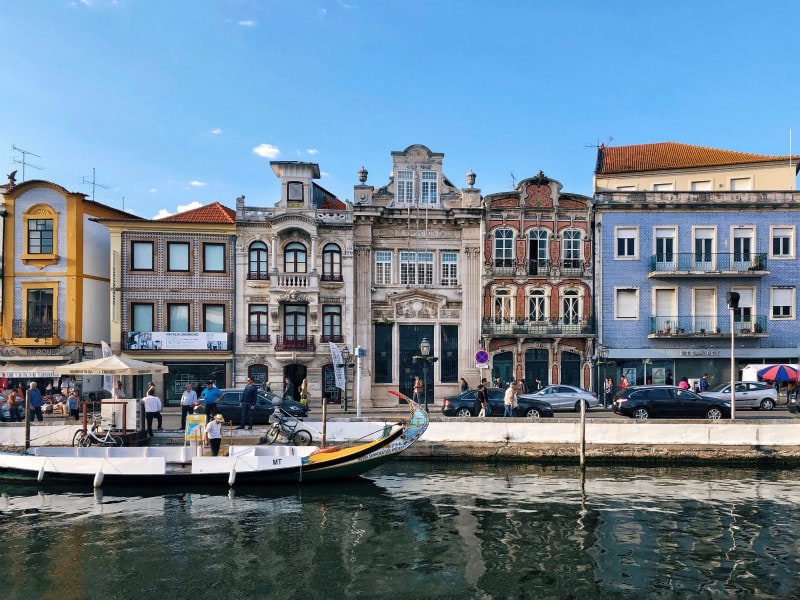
[415, 530]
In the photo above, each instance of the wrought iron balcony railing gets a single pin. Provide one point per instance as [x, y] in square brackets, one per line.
[295, 342]
[257, 337]
[22, 328]
[548, 327]
[708, 325]
[705, 263]
[336, 339]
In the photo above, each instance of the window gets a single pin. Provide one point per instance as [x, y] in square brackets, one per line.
[663, 187]
[383, 353]
[39, 313]
[782, 242]
[141, 256]
[383, 268]
[430, 187]
[177, 317]
[742, 248]
[258, 267]
[626, 188]
[331, 323]
[626, 303]
[701, 186]
[214, 258]
[257, 323]
[416, 268]
[294, 258]
[449, 268]
[294, 322]
[704, 312]
[782, 302]
[665, 303]
[331, 263]
[537, 252]
[449, 354]
[570, 308]
[743, 316]
[626, 242]
[142, 317]
[504, 248]
[405, 187]
[665, 249]
[214, 318]
[704, 248]
[537, 306]
[294, 191]
[503, 306]
[572, 250]
[177, 256]
[40, 236]
[741, 184]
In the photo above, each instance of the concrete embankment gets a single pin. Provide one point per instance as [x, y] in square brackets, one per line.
[767, 442]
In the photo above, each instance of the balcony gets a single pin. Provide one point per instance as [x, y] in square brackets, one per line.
[35, 333]
[700, 326]
[723, 264]
[258, 275]
[257, 338]
[306, 282]
[548, 328]
[539, 267]
[295, 342]
[336, 339]
[330, 278]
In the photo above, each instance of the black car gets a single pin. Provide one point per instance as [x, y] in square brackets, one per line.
[466, 405]
[642, 402]
[230, 408]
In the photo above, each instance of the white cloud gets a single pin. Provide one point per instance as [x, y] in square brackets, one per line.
[162, 213]
[247, 23]
[190, 206]
[324, 174]
[153, 190]
[216, 131]
[312, 151]
[266, 151]
[347, 6]
[321, 13]
[196, 183]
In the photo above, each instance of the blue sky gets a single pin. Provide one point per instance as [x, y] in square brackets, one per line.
[186, 101]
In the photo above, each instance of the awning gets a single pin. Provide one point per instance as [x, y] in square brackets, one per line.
[14, 371]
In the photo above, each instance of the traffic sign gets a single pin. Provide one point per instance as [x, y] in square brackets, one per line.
[481, 357]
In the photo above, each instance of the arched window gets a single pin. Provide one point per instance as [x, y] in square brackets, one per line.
[294, 258]
[259, 265]
[570, 308]
[504, 248]
[503, 306]
[331, 263]
[537, 306]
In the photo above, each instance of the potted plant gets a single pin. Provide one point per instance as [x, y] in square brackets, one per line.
[667, 328]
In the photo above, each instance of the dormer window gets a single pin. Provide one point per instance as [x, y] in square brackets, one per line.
[430, 188]
[294, 194]
[405, 187]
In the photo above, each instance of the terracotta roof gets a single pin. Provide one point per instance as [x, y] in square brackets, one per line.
[214, 213]
[671, 155]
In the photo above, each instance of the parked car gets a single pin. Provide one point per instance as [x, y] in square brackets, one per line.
[564, 397]
[228, 406]
[642, 402]
[748, 394]
[466, 404]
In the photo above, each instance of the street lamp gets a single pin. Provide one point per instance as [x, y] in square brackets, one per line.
[600, 359]
[346, 358]
[733, 305]
[424, 356]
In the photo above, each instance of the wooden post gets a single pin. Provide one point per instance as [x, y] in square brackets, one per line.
[583, 435]
[324, 419]
[27, 419]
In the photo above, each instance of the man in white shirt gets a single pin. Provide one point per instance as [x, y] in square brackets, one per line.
[152, 409]
[188, 398]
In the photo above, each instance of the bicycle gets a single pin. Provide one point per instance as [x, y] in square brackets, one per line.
[87, 438]
[283, 424]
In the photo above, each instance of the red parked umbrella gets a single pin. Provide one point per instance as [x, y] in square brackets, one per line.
[779, 373]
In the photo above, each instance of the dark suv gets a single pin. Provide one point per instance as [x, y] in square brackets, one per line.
[642, 402]
[466, 405]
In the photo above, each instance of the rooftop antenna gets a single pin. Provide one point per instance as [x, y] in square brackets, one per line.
[94, 183]
[513, 181]
[599, 144]
[24, 160]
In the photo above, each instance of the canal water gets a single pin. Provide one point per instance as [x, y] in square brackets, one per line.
[415, 530]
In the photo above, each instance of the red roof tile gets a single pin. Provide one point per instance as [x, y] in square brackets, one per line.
[671, 155]
[214, 213]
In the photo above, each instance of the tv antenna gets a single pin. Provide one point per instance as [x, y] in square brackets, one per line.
[94, 183]
[513, 181]
[599, 143]
[24, 160]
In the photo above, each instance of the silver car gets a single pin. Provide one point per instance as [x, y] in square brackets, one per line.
[564, 397]
[749, 394]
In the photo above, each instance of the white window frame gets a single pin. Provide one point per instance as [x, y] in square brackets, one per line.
[503, 247]
[631, 250]
[741, 184]
[425, 268]
[405, 187]
[538, 296]
[632, 297]
[571, 307]
[503, 304]
[711, 263]
[449, 269]
[670, 258]
[383, 267]
[671, 294]
[430, 188]
[782, 294]
[408, 268]
[703, 185]
[664, 187]
[572, 249]
[791, 231]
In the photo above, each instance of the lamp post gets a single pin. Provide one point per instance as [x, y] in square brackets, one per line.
[345, 364]
[424, 356]
[600, 359]
[733, 305]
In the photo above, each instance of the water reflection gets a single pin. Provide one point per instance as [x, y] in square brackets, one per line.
[414, 529]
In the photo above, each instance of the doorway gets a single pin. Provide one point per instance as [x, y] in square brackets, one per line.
[294, 373]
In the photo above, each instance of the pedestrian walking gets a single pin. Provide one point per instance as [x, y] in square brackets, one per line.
[152, 410]
[248, 403]
[288, 389]
[704, 383]
[214, 434]
[483, 401]
[210, 397]
[188, 400]
[417, 389]
[510, 400]
[73, 405]
[35, 402]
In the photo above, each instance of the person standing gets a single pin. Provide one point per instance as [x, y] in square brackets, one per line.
[214, 434]
[73, 405]
[188, 399]
[248, 404]
[539, 385]
[464, 385]
[152, 410]
[623, 382]
[483, 401]
[608, 388]
[14, 402]
[509, 400]
[704, 383]
[418, 388]
[35, 402]
[288, 388]
[210, 397]
[304, 392]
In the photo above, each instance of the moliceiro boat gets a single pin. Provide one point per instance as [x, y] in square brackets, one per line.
[242, 465]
